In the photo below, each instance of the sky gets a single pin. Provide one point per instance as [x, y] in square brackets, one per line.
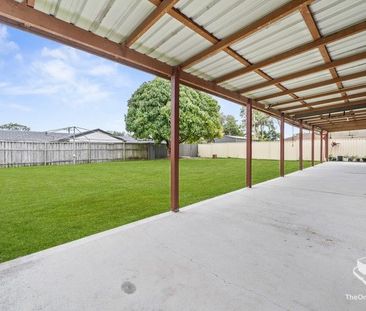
[46, 85]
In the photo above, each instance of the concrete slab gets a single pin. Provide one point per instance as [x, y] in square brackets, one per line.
[287, 244]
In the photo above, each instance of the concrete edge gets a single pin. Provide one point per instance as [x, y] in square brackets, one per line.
[68, 245]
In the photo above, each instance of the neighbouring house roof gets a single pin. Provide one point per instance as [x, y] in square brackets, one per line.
[33, 136]
[132, 140]
[229, 139]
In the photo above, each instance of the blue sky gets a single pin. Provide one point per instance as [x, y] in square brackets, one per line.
[46, 85]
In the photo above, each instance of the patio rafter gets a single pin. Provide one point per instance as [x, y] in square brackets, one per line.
[246, 31]
[26, 18]
[326, 101]
[314, 30]
[179, 16]
[162, 8]
[332, 108]
[294, 75]
[317, 43]
[314, 85]
[345, 89]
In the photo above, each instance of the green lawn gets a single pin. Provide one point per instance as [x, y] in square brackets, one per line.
[42, 207]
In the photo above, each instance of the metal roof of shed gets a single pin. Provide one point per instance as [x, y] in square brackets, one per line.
[275, 52]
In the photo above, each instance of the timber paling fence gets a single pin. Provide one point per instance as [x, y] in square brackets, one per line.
[41, 153]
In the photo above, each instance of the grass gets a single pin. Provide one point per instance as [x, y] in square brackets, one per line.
[47, 206]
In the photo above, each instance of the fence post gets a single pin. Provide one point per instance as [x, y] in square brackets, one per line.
[45, 153]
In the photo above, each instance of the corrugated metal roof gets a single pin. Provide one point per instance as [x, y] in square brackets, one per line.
[333, 15]
[243, 81]
[321, 89]
[311, 78]
[172, 42]
[222, 18]
[283, 35]
[215, 66]
[294, 64]
[348, 46]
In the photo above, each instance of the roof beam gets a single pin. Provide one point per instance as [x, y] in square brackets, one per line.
[333, 108]
[347, 126]
[314, 30]
[338, 119]
[319, 42]
[21, 16]
[298, 74]
[186, 21]
[247, 31]
[314, 85]
[30, 3]
[175, 13]
[346, 89]
[311, 119]
[325, 101]
[163, 7]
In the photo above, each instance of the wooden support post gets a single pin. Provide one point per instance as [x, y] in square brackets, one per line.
[174, 141]
[249, 144]
[321, 146]
[312, 144]
[326, 146]
[282, 146]
[301, 164]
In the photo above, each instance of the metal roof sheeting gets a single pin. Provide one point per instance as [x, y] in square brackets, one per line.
[294, 64]
[224, 17]
[215, 66]
[172, 42]
[333, 15]
[283, 35]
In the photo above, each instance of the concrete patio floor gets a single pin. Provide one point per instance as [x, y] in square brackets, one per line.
[287, 244]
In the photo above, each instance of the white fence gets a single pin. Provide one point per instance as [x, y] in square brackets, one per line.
[271, 150]
[35, 153]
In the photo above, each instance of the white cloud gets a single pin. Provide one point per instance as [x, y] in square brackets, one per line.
[6, 45]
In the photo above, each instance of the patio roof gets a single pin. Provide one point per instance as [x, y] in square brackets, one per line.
[303, 58]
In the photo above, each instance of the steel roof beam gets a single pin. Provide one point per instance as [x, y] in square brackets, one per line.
[186, 21]
[246, 31]
[314, 30]
[23, 17]
[333, 108]
[325, 101]
[319, 42]
[314, 85]
[315, 69]
[346, 89]
[163, 7]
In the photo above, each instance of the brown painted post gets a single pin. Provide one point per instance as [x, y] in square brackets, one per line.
[326, 146]
[282, 145]
[301, 164]
[321, 146]
[174, 142]
[312, 144]
[249, 144]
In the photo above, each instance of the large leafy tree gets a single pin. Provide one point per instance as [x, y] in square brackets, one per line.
[14, 127]
[230, 125]
[148, 115]
[264, 127]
